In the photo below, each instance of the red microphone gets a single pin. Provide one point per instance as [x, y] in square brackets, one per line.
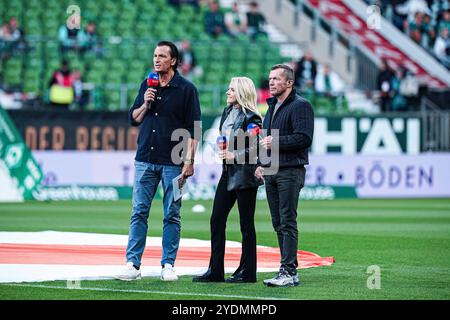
[152, 82]
[253, 130]
[222, 145]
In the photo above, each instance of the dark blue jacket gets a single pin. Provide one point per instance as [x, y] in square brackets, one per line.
[176, 106]
[295, 121]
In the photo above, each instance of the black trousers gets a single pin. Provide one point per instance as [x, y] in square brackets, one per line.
[223, 203]
[283, 191]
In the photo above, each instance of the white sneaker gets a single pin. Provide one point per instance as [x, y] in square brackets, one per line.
[129, 273]
[168, 274]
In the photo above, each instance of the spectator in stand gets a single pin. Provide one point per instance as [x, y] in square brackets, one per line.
[328, 83]
[81, 96]
[442, 47]
[445, 22]
[306, 72]
[384, 85]
[90, 40]
[415, 27]
[215, 20]
[62, 92]
[411, 7]
[179, 3]
[11, 38]
[70, 38]
[408, 89]
[187, 60]
[428, 32]
[263, 91]
[236, 21]
[255, 21]
[398, 17]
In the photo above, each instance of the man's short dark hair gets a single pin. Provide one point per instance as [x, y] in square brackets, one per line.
[287, 71]
[173, 52]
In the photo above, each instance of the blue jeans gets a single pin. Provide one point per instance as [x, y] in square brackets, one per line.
[147, 178]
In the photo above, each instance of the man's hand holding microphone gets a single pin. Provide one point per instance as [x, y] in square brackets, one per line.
[149, 98]
[150, 93]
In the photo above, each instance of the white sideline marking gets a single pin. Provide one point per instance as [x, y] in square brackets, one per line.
[146, 291]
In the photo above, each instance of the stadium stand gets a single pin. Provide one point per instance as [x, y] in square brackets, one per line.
[423, 21]
[127, 32]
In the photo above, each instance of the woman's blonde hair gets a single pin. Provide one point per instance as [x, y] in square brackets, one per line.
[245, 94]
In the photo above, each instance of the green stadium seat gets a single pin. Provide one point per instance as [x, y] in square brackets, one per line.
[13, 76]
[34, 64]
[94, 77]
[114, 76]
[52, 5]
[255, 53]
[92, 8]
[202, 36]
[111, 7]
[218, 52]
[201, 51]
[195, 29]
[128, 51]
[144, 48]
[112, 100]
[214, 78]
[236, 69]
[131, 95]
[33, 28]
[206, 99]
[32, 85]
[130, 60]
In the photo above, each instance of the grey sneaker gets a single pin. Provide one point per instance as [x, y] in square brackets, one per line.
[282, 279]
[296, 280]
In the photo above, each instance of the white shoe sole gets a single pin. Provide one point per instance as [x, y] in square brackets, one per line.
[128, 279]
[289, 284]
[173, 279]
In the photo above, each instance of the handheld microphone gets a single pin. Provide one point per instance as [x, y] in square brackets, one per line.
[222, 144]
[253, 130]
[152, 82]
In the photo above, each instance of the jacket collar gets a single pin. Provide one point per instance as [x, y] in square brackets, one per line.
[225, 114]
[273, 100]
[238, 123]
[240, 119]
[175, 81]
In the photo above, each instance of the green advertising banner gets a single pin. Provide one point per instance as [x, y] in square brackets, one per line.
[197, 192]
[20, 173]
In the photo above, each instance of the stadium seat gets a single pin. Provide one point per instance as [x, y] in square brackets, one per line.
[136, 26]
[112, 100]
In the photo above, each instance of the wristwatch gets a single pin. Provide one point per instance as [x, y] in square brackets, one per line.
[189, 161]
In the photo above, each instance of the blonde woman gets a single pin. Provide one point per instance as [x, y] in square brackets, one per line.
[237, 184]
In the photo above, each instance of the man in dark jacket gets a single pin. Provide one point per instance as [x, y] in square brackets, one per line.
[289, 124]
[306, 72]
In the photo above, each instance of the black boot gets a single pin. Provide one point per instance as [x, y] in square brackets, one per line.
[208, 277]
[240, 277]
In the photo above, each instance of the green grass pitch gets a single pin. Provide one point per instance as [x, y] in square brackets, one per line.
[408, 239]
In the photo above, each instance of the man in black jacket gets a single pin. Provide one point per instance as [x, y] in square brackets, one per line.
[289, 124]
